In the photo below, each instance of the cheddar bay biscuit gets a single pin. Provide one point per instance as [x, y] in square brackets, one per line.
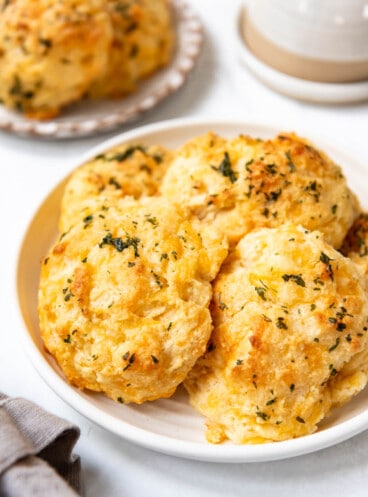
[51, 52]
[245, 183]
[124, 296]
[290, 315]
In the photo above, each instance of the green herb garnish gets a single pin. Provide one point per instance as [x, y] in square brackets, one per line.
[122, 156]
[121, 244]
[225, 168]
[296, 278]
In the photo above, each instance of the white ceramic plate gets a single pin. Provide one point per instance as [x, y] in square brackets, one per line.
[91, 117]
[171, 425]
[301, 89]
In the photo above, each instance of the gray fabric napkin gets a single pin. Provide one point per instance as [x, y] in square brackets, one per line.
[36, 457]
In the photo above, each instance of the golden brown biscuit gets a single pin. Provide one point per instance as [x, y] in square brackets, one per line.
[124, 296]
[143, 41]
[290, 313]
[54, 53]
[125, 170]
[51, 52]
[355, 244]
[246, 183]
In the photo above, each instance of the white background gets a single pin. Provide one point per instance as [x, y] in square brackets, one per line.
[219, 87]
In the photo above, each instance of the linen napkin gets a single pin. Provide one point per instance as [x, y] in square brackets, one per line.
[36, 457]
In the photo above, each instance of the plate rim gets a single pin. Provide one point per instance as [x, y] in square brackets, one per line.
[175, 74]
[225, 453]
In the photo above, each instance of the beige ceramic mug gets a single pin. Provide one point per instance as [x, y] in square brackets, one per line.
[318, 40]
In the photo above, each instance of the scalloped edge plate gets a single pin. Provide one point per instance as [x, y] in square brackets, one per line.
[90, 117]
[169, 426]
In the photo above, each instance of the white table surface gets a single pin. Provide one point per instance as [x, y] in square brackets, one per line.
[219, 88]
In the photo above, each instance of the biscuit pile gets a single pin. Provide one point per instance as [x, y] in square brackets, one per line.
[53, 53]
[237, 267]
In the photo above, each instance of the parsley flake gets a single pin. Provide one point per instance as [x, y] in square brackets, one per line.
[281, 323]
[226, 170]
[296, 278]
[290, 162]
[261, 292]
[122, 156]
[121, 244]
[154, 359]
[336, 344]
[262, 415]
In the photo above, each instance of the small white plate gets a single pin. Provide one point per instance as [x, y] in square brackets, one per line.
[90, 117]
[169, 425]
[301, 89]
